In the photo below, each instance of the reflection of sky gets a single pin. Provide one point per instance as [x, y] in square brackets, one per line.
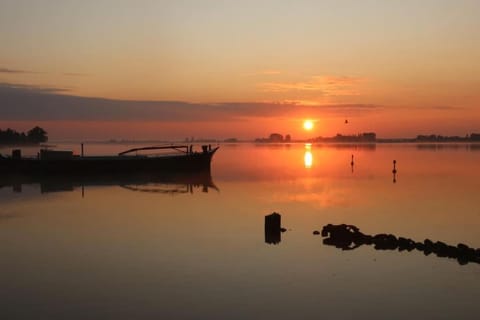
[9, 194]
[275, 176]
[209, 247]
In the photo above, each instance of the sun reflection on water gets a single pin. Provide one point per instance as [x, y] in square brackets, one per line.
[308, 157]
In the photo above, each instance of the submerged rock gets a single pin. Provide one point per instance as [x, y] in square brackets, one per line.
[349, 237]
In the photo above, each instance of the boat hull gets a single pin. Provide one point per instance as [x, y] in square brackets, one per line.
[191, 162]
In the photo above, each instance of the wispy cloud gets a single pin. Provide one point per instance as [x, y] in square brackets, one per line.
[20, 71]
[13, 71]
[76, 74]
[270, 72]
[433, 108]
[23, 89]
[266, 72]
[22, 102]
[322, 85]
[446, 108]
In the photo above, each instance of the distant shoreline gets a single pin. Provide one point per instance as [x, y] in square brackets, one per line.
[120, 142]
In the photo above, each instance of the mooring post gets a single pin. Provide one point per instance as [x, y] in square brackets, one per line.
[16, 154]
[273, 228]
[81, 149]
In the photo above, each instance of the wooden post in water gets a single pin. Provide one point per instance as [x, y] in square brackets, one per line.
[16, 154]
[81, 149]
[273, 228]
[394, 171]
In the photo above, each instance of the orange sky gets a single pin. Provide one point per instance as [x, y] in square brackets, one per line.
[399, 68]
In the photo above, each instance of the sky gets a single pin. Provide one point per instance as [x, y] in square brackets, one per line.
[115, 69]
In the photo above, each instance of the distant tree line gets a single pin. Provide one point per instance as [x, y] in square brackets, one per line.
[361, 137]
[34, 136]
[440, 138]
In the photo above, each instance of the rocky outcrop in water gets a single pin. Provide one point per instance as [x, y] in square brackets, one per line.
[349, 237]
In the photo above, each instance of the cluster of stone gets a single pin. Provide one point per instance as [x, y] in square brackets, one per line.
[349, 237]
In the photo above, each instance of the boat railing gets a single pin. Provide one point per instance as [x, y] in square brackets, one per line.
[180, 148]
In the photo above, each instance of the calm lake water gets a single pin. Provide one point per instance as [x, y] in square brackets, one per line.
[173, 250]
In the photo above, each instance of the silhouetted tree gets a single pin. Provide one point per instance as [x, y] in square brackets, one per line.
[34, 136]
[37, 135]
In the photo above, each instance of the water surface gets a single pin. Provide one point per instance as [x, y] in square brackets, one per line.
[196, 250]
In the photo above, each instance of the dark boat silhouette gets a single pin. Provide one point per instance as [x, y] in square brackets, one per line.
[172, 158]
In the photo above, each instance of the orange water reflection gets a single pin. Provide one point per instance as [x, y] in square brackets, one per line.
[429, 183]
[308, 156]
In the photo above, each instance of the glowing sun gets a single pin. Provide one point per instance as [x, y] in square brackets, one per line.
[308, 125]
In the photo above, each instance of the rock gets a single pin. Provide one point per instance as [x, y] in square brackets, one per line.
[428, 247]
[348, 237]
[385, 242]
[402, 244]
[419, 246]
[440, 248]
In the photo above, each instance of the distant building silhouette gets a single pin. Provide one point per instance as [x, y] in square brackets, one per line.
[475, 137]
[275, 137]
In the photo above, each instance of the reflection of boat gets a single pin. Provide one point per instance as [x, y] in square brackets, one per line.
[171, 183]
[177, 158]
